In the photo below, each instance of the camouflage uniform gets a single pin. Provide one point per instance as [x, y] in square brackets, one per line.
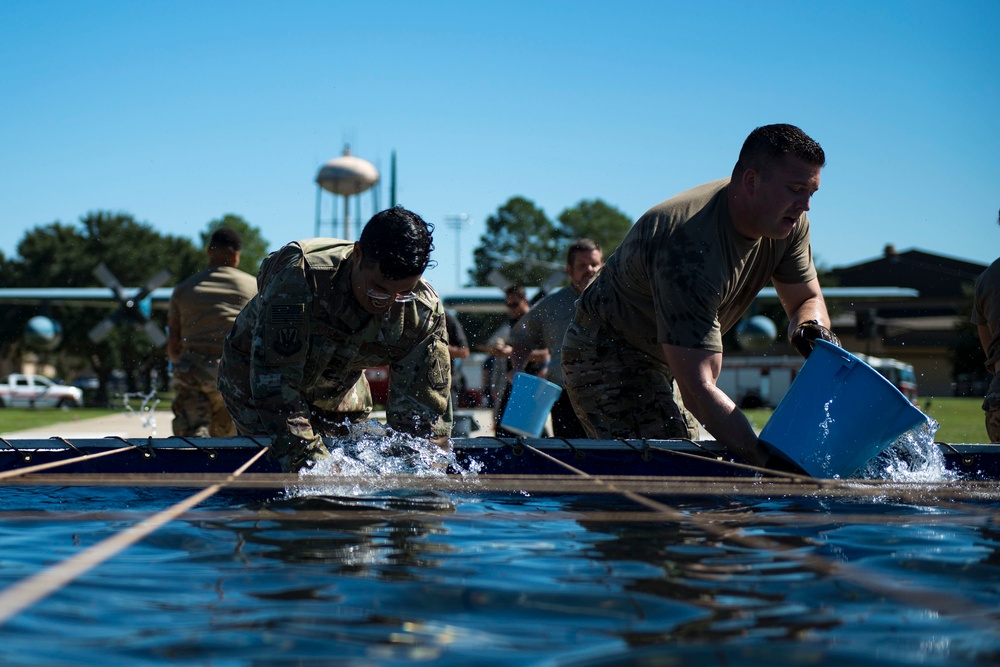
[682, 276]
[986, 312]
[294, 361]
[205, 305]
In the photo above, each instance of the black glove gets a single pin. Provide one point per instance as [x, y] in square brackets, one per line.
[807, 332]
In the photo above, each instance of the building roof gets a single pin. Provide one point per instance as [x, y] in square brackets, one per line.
[934, 276]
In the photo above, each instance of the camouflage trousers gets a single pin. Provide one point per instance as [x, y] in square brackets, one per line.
[199, 410]
[619, 391]
[991, 406]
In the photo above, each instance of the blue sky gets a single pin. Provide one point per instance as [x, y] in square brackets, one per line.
[179, 112]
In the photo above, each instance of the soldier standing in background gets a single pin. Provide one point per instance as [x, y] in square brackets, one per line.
[202, 309]
[544, 326]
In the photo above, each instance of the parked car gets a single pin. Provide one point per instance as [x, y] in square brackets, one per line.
[37, 391]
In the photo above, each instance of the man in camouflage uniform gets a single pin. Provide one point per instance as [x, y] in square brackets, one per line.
[327, 309]
[986, 317]
[202, 309]
[645, 346]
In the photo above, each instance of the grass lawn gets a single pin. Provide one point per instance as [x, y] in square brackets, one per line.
[961, 419]
[19, 419]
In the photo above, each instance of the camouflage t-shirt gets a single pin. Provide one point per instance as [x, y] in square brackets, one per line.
[306, 341]
[684, 276]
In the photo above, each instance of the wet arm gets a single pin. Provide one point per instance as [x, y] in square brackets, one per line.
[802, 302]
[697, 372]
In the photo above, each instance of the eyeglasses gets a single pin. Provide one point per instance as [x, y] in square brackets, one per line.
[381, 298]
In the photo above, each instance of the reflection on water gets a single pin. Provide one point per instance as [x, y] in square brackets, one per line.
[393, 576]
[404, 577]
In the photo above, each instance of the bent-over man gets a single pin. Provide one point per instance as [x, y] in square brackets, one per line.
[683, 276]
[327, 309]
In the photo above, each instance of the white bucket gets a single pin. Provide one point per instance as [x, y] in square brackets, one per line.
[531, 400]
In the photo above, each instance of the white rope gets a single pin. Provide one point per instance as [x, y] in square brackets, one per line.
[27, 592]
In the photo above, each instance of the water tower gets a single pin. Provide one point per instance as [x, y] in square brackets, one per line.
[346, 176]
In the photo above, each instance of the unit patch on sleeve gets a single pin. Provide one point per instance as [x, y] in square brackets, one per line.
[437, 373]
[287, 342]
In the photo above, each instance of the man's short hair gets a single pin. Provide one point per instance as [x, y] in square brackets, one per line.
[224, 237]
[769, 144]
[516, 291]
[399, 241]
[581, 245]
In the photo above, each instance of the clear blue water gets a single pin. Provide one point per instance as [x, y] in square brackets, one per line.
[505, 578]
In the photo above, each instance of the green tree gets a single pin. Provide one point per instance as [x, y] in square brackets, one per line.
[595, 220]
[59, 255]
[254, 245]
[519, 242]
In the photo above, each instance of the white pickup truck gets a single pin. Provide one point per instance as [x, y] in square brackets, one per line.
[37, 391]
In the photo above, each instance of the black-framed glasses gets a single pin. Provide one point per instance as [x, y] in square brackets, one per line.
[381, 298]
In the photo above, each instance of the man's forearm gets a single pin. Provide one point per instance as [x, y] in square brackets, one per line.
[726, 423]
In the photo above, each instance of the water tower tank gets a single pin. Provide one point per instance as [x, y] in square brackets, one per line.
[347, 175]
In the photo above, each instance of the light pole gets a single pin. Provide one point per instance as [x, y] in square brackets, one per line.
[457, 222]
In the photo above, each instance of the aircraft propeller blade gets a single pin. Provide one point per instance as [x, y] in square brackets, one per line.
[497, 279]
[155, 333]
[161, 277]
[553, 281]
[103, 274]
[102, 329]
[131, 309]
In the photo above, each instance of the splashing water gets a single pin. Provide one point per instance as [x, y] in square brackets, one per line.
[913, 457]
[374, 452]
[147, 408]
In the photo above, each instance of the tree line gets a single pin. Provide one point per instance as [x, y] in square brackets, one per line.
[520, 242]
[61, 255]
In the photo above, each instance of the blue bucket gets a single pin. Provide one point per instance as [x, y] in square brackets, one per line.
[531, 400]
[838, 414]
